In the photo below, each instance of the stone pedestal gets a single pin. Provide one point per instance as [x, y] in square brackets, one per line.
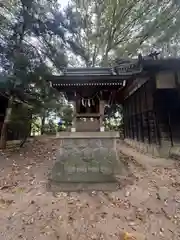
[86, 157]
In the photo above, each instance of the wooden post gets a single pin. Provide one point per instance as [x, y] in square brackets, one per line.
[170, 129]
[129, 114]
[73, 129]
[125, 119]
[141, 114]
[101, 112]
[130, 122]
[136, 115]
[146, 103]
[132, 117]
[158, 137]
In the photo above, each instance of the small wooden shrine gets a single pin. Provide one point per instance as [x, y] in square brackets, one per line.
[91, 89]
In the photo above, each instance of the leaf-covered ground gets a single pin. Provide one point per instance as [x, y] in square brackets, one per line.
[147, 206]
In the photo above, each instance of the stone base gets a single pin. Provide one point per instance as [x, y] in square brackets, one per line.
[86, 135]
[155, 150]
[88, 187]
[175, 151]
[86, 158]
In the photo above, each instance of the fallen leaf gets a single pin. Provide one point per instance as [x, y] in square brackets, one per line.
[31, 221]
[5, 187]
[28, 167]
[38, 194]
[20, 190]
[5, 203]
[128, 236]
[127, 194]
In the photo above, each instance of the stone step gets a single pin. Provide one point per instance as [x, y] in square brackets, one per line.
[57, 188]
[80, 177]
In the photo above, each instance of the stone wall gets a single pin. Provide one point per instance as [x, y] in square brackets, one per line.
[165, 150]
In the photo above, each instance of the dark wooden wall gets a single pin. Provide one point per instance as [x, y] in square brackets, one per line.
[139, 115]
[167, 107]
[152, 115]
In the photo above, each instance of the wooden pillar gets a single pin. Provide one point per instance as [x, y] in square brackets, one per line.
[147, 113]
[151, 117]
[101, 112]
[140, 99]
[131, 117]
[136, 115]
[128, 117]
[158, 137]
[75, 106]
[73, 128]
[125, 118]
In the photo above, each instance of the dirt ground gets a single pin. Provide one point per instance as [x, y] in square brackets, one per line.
[146, 206]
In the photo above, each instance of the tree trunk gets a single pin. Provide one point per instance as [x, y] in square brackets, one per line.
[104, 62]
[28, 131]
[43, 123]
[7, 119]
[24, 140]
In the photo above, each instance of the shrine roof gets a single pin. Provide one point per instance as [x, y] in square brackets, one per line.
[166, 64]
[97, 75]
[121, 71]
[89, 71]
[126, 68]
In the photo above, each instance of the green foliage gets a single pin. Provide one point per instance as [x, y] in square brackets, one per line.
[35, 125]
[50, 128]
[21, 120]
[113, 117]
[67, 115]
[27, 53]
[109, 29]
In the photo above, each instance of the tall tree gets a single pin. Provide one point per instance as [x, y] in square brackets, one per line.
[109, 29]
[23, 62]
[13, 55]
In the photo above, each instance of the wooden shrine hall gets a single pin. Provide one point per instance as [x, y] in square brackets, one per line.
[147, 87]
